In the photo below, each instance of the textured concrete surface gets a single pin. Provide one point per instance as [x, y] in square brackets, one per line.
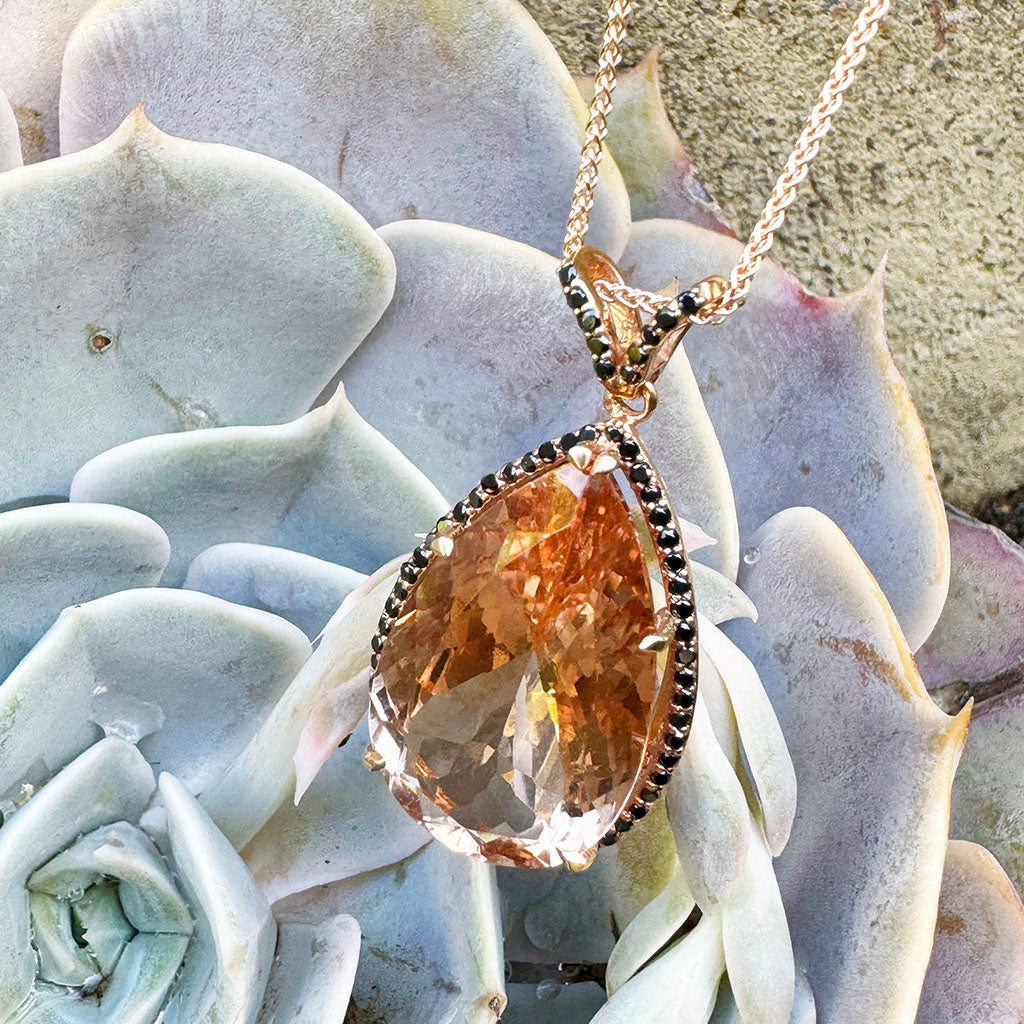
[926, 163]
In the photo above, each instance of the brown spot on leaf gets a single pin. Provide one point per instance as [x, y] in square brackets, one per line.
[32, 132]
[937, 9]
[950, 924]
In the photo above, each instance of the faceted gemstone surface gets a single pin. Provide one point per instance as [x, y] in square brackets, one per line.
[512, 701]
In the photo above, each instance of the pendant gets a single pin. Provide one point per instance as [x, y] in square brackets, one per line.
[534, 672]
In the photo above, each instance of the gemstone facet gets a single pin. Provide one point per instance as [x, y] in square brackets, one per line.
[515, 704]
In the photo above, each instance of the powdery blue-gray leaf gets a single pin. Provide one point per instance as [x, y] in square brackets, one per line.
[766, 758]
[811, 410]
[455, 111]
[214, 669]
[659, 174]
[977, 645]
[874, 761]
[426, 955]
[323, 704]
[80, 798]
[313, 972]
[10, 143]
[326, 485]
[229, 959]
[32, 38]
[346, 823]
[976, 973]
[304, 590]
[222, 287]
[53, 556]
[679, 987]
[492, 363]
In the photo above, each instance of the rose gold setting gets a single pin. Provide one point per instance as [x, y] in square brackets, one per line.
[671, 708]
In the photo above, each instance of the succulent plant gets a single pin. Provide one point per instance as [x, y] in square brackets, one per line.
[247, 354]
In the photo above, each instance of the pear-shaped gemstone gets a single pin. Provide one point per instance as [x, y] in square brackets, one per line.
[512, 701]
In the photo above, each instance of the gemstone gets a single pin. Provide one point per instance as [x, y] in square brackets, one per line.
[512, 704]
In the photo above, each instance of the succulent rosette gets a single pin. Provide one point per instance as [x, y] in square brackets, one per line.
[247, 354]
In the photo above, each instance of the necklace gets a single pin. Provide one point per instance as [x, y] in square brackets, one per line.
[534, 672]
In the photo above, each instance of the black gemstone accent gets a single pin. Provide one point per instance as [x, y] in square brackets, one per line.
[490, 484]
[588, 433]
[669, 760]
[666, 319]
[685, 656]
[637, 811]
[629, 375]
[614, 434]
[377, 643]
[685, 677]
[660, 777]
[374, 660]
[629, 450]
[689, 302]
[391, 606]
[408, 572]
[685, 700]
[400, 590]
[640, 473]
[623, 825]
[660, 515]
[607, 841]
[651, 335]
[476, 499]
[460, 513]
[528, 463]
[668, 538]
[682, 608]
[568, 441]
[685, 632]
[674, 562]
[576, 297]
[588, 320]
[509, 472]
[680, 720]
[604, 368]
[547, 451]
[384, 626]
[674, 742]
[650, 495]
[597, 345]
[567, 273]
[649, 794]
[420, 557]
[680, 587]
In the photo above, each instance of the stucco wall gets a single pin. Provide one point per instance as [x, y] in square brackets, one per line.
[927, 163]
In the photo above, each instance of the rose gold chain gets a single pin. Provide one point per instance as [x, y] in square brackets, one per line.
[817, 127]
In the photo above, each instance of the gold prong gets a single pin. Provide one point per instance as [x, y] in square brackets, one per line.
[581, 862]
[605, 463]
[580, 456]
[654, 642]
[442, 546]
[372, 760]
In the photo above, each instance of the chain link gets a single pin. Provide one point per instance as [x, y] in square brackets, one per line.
[818, 124]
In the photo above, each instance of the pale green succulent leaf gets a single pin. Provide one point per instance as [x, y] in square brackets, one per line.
[102, 924]
[454, 111]
[718, 597]
[314, 968]
[147, 893]
[109, 782]
[426, 955]
[300, 588]
[229, 959]
[61, 960]
[492, 363]
[53, 556]
[138, 648]
[679, 987]
[326, 485]
[766, 757]
[33, 34]
[658, 172]
[810, 410]
[874, 760]
[10, 142]
[976, 972]
[346, 823]
[323, 704]
[222, 287]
